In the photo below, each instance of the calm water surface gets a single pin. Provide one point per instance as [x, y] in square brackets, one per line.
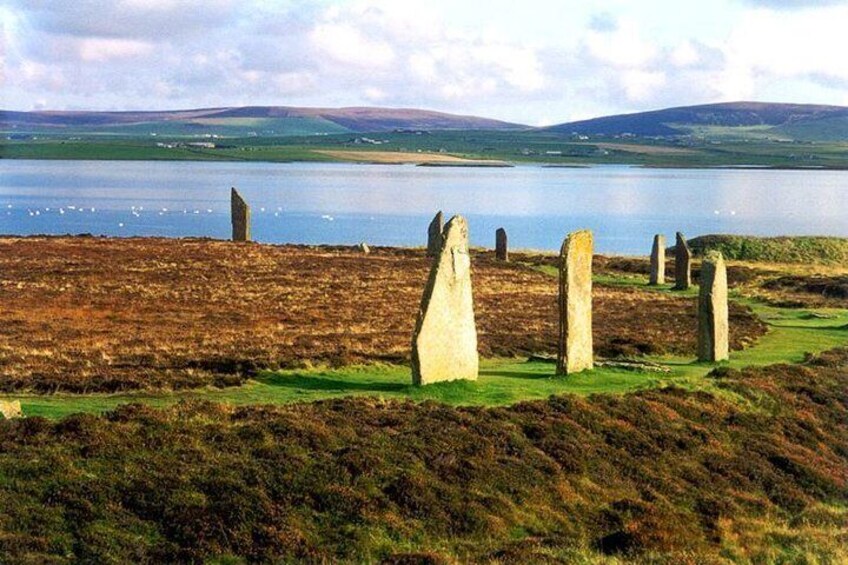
[392, 204]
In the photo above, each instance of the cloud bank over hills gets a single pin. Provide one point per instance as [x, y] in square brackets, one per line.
[545, 63]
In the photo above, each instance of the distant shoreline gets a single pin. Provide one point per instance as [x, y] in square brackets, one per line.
[459, 163]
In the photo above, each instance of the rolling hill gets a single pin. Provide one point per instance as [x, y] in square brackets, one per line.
[732, 119]
[243, 121]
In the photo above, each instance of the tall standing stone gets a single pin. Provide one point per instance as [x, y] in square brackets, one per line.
[10, 409]
[434, 235]
[658, 260]
[444, 345]
[501, 245]
[682, 264]
[575, 304]
[240, 215]
[713, 327]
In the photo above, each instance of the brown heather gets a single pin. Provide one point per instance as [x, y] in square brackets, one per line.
[85, 314]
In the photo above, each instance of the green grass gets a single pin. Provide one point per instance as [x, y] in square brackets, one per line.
[500, 382]
[828, 129]
[792, 335]
[127, 150]
[795, 249]
[290, 140]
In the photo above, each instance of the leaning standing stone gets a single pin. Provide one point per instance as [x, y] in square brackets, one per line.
[434, 235]
[240, 215]
[658, 260]
[444, 345]
[501, 247]
[575, 304]
[713, 327]
[682, 264]
[10, 409]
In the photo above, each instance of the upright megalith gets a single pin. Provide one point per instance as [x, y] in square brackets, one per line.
[713, 327]
[575, 304]
[434, 234]
[682, 264]
[240, 215]
[444, 345]
[10, 409]
[658, 260]
[501, 245]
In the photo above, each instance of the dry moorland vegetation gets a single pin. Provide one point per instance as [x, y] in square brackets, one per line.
[755, 471]
[85, 314]
[663, 476]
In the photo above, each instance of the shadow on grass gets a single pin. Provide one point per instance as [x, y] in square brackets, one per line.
[811, 325]
[329, 384]
[531, 373]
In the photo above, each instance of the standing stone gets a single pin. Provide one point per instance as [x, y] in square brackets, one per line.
[713, 327]
[240, 214]
[575, 304]
[658, 260]
[363, 248]
[682, 264]
[10, 409]
[501, 247]
[444, 345]
[434, 235]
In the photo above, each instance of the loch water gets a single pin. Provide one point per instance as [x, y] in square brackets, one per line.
[331, 203]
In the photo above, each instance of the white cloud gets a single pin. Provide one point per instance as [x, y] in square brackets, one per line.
[797, 49]
[640, 85]
[621, 46]
[96, 49]
[423, 67]
[347, 44]
[798, 43]
[150, 19]
[792, 4]
[685, 55]
[294, 82]
[734, 82]
[373, 94]
[517, 66]
[445, 55]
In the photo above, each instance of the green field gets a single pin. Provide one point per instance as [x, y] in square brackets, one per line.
[286, 142]
[797, 249]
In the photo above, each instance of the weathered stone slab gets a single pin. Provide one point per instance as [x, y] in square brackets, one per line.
[240, 216]
[444, 345]
[658, 260]
[501, 245]
[363, 248]
[713, 326]
[682, 264]
[434, 235]
[575, 304]
[10, 409]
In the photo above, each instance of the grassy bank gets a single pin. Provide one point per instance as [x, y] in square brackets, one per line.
[795, 249]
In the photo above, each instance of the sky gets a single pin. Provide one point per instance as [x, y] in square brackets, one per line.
[535, 62]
